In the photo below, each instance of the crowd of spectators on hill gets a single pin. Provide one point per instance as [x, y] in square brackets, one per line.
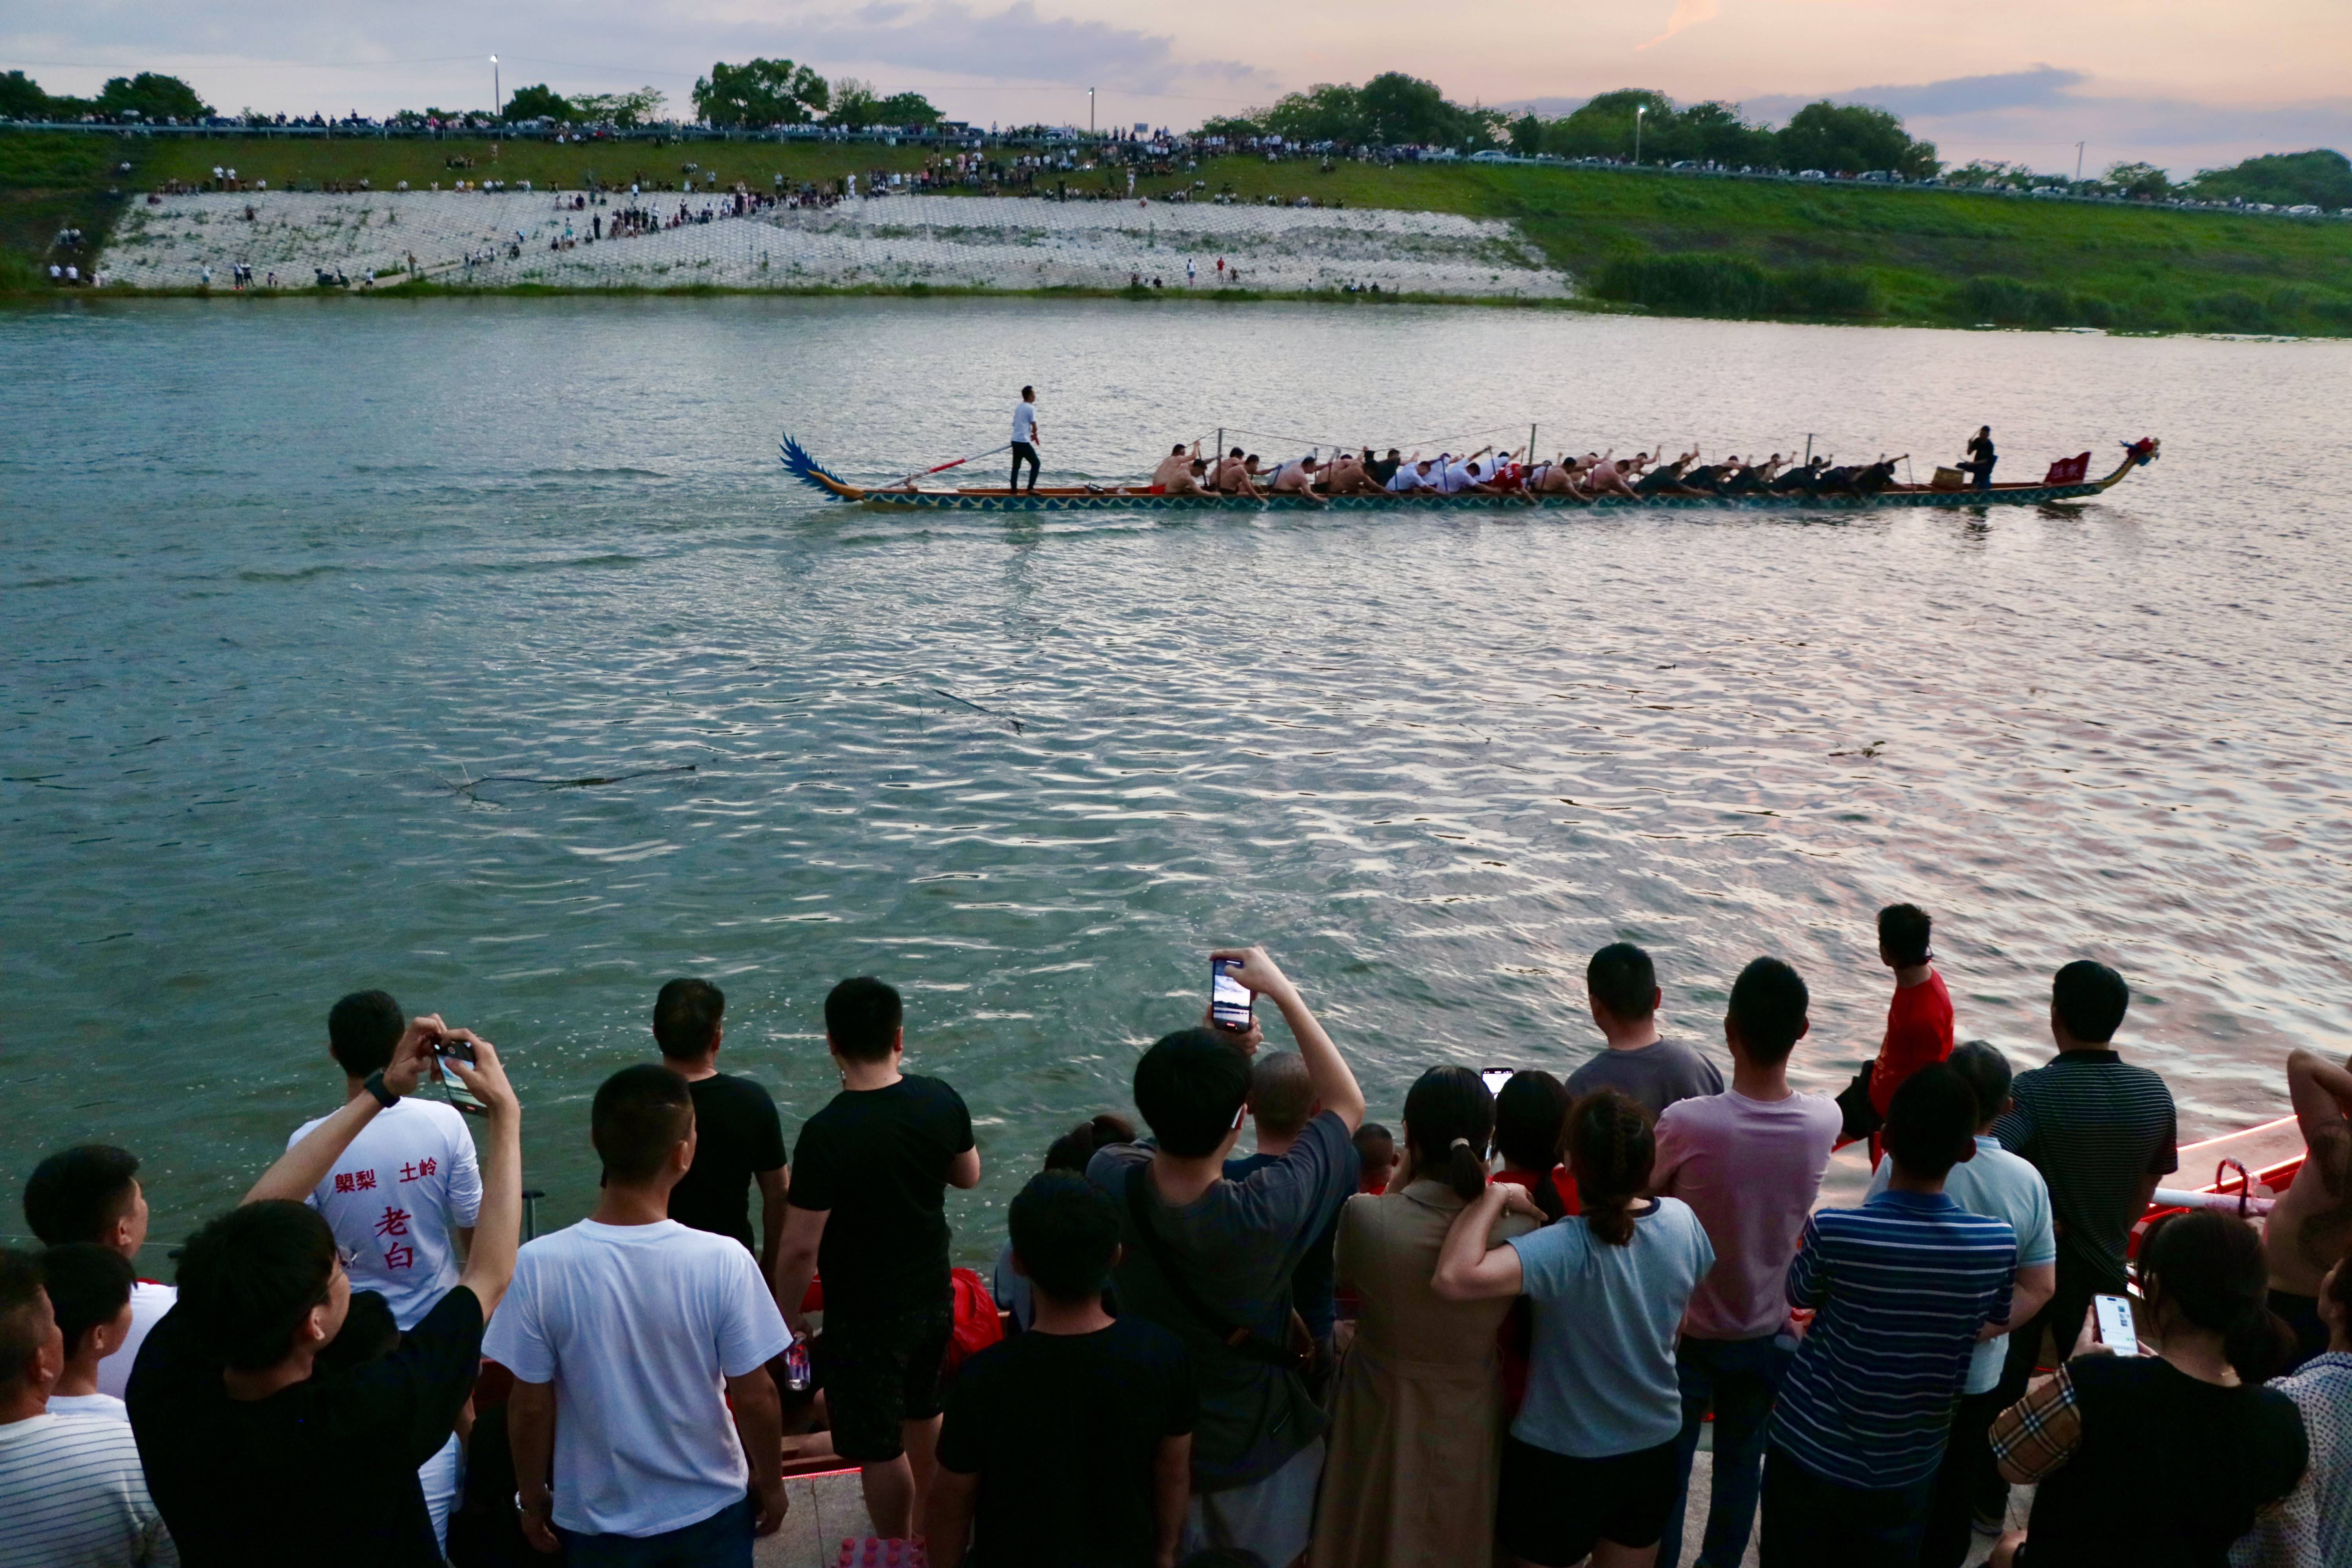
[1347, 1348]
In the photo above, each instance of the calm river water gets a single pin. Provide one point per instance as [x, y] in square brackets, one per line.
[279, 581]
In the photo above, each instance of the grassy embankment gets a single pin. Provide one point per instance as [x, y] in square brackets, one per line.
[1685, 246]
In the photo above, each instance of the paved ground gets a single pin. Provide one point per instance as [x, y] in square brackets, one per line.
[827, 1508]
[824, 1510]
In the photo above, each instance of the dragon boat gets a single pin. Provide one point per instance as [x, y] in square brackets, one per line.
[2068, 480]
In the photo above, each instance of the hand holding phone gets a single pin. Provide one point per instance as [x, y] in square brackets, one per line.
[455, 1046]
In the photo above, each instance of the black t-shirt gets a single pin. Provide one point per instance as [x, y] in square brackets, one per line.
[877, 1159]
[737, 1133]
[2171, 1469]
[324, 1471]
[1380, 470]
[1062, 1430]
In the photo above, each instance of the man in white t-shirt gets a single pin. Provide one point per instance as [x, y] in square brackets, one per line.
[1024, 439]
[630, 1337]
[2001, 1185]
[403, 1197]
[92, 1194]
[72, 1491]
[1749, 1160]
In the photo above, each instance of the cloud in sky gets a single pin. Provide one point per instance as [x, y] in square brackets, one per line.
[1687, 14]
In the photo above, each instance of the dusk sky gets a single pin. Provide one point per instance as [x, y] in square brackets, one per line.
[2182, 83]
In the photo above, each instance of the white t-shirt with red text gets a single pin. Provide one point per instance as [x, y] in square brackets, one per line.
[392, 1199]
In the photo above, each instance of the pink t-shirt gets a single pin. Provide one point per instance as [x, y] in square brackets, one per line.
[1752, 1170]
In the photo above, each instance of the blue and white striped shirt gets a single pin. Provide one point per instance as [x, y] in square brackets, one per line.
[1902, 1285]
[73, 1495]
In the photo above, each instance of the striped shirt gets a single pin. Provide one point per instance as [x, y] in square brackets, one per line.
[1902, 1285]
[2095, 1126]
[72, 1495]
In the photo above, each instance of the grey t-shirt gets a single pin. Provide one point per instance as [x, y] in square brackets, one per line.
[1238, 1244]
[1654, 1076]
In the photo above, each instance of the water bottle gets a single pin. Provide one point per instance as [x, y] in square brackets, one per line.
[796, 1367]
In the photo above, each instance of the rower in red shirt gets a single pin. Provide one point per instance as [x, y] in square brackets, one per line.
[1919, 1018]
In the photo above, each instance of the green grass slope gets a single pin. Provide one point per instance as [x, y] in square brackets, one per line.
[1641, 241]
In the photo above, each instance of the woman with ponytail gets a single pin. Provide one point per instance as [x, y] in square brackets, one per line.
[1416, 1419]
[2165, 1457]
[1588, 1466]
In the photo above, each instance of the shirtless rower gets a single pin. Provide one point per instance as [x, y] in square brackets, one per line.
[2310, 1226]
[1344, 475]
[1605, 478]
[1176, 465]
[1555, 477]
[1297, 477]
[1236, 476]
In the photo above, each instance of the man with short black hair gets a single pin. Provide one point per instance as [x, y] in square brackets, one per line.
[1282, 1102]
[2103, 1132]
[1069, 1446]
[403, 1197]
[869, 1179]
[1900, 1289]
[1750, 1162]
[1919, 1017]
[1025, 440]
[1998, 1183]
[1622, 986]
[72, 1492]
[89, 1288]
[229, 1388]
[738, 1140]
[622, 1331]
[1213, 1261]
[92, 1194]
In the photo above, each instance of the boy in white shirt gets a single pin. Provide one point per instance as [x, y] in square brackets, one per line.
[92, 1194]
[89, 1290]
[639, 1349]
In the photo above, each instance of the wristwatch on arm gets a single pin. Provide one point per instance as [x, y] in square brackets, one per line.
[374, 1085]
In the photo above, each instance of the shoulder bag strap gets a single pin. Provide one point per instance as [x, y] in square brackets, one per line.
[1236, 1337]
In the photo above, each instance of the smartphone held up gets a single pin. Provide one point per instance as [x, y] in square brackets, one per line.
[1230, 1002]
[448, 1049]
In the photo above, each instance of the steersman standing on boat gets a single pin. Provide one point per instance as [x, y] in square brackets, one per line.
[1024, 439]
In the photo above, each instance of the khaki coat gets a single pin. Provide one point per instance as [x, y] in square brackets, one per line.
[1416, 1437]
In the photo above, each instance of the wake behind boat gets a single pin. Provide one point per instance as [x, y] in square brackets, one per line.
[1509, 486]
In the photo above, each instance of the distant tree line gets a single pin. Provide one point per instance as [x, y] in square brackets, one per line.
[146, 96]
[1395, 109]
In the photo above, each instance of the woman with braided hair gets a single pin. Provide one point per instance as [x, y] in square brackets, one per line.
[1416, 1418]
[1588, 1466]
[2166, 1455]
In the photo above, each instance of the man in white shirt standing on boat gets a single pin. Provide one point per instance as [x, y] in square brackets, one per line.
[1024, 439]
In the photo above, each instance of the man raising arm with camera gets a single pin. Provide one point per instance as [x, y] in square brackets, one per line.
[228, 1387]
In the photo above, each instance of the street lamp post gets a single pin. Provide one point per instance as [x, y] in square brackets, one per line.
[1639, 111]
[498, 102]
[1090, 111]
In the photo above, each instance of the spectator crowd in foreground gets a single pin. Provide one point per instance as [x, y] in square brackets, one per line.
[1349, 1348]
